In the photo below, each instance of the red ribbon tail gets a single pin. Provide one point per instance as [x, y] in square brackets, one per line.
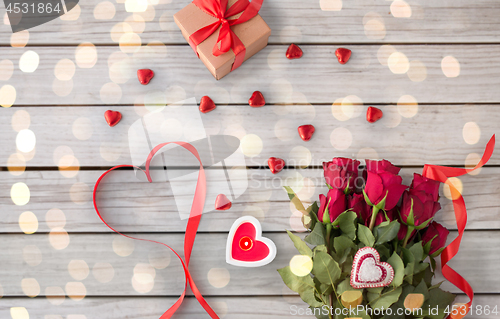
[442, 174]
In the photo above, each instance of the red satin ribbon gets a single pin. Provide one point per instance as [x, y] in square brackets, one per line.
[227, 38]
[191, 228]
[441, 174]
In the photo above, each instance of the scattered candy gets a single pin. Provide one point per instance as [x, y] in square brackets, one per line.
[145, 75]
[112, 117]
[257, 99]
[373, 114]
[368, 271]
[414, 301]
[294, 52]
[276, 165]
[343, 55]
[222, 202]
[306, 132]
[351, 298]
[206, 104]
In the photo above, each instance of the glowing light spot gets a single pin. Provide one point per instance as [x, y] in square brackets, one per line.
[103, 272]
[136, 5]
[6, 69]
[130, 43]
[450, 66]
[338, 111]
[30, 287]
[275, 60]
[173, 95]
[68, 166]
[300, 156]
[82, 128]
[137, 23]
[73, 14]
[284, 130]
[28, 222]
[76, 290]
[308, 189]
[407, 106]
[19, 313]
[391, 117]
[384, 52]
[400, 9]
[471, 161]
[159, 260]
[64, 69]
[78, 269]
[61, 151]
[20, 120]
[471, 133]
[110, 151]
[330, 5]
[86, 55]
[25, 140]
[375, 29]
[367, 153]
[58, 238]
[111, 93]
[457, 183]
[32, 255]
[119, 29]
[80, 193]
[29, 61]
[122, 246]
[55, 295]
[301, 265]
[218, 277]
[104, 11]
[16, 164]
[251, 145]
[143, 280]
[20, 194]
[296, 221]
[417, 71]
[149, 14]
[341, 138]
[398, 63]
[7, 96]
[20, 39]
[62, 88]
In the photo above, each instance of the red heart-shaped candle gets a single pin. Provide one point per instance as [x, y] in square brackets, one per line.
[276, 165]
[145, 75]
[343, 55]
[306, 131]
[112, 117]
[222, 202]
[294, 52]
[245, 245]
[373, 114]
[368, 271]
[206, 104]
[257, 99]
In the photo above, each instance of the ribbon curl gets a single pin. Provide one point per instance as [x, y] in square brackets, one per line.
[227, 39]
[191, 228]
[442, 174]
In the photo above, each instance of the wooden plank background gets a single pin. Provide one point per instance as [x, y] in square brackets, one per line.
[439, 93]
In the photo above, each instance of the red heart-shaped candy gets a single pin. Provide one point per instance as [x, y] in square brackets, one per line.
[206, 104]
[294, 52]
[222, 202]
[275, 164]
[145, 75]
[306, 131]
[257, 99]
[373, 114]
[112, 117]
[343, 55]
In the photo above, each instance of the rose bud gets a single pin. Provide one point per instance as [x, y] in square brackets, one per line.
[403, 231]
[436, 234]
[382, 217]
[427, 185]
[331, 205]
[341, 173]
[357, 203]
[418, 208]
[383, 187]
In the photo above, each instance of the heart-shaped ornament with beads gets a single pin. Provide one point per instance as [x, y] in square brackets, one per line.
[368, 271]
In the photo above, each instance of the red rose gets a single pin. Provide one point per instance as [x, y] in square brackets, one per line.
[357, 203]
[383, 183]
[427, 185]
[332, 205]
[403, 230]
[437, 235]
[381, 217]
[418, 208]
[341, 173]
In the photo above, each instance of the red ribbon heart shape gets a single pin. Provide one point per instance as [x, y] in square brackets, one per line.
[191, 228]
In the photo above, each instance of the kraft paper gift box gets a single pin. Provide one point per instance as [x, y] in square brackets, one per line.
[254, 34]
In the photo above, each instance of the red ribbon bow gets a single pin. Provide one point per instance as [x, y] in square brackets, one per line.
[442, 174]
[191, 228]
[227, 38]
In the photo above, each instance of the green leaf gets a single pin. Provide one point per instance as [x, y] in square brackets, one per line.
[399, 269]
[409, 261]
[346, 223]
[386, 299]
[436, 285]
[438, 301]
[344, 286]
[325, 269]
[384, 252]
[341, 243]
[387, 233]
[365, 235]
[317, 236]
[376, 291]
[300, 245]
[320, 248]
[418, 251]
[422, 289]
[302, 285]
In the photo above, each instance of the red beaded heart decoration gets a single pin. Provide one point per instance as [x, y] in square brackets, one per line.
[368, 271]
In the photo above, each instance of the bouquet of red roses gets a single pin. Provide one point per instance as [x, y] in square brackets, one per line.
[373, 245]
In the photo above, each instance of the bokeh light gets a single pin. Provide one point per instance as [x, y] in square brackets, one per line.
[80, 193]
[450, 66]
[457, 183]
[407, 106]
[78, 269]
[471, 133]
[20, 39]
[29, 61]
[104, 11]
[159, 260]
[76, 290]
[110, 93]
[55, 295]
[301, 265]
[123, 246]
[19, 313]
[218, 277]
[330, 5]
[251, 145]
[400, 9]
[136, 5]
[6, 69]
[82, 128]
[341, 138]
[16, 164]
[64, 69]
[471, 161]
[20, 194]
[72, 15]
[300, 156]
[143, 280]
[374, 26]
[20, 120]
[130, 42]
[417, 71]
[28, 222]
[86, 55]
[62, 88]
[398, 63]
[7, 96]
[384, 52]
[25, 140]
[30, 287]
[59, 238]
